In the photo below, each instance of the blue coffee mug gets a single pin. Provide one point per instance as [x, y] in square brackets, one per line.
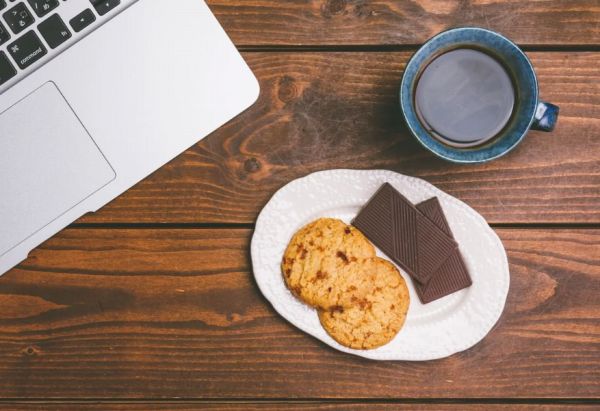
[528, 113]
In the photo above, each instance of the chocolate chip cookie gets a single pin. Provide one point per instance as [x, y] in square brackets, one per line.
[322, 264]
[377, 316]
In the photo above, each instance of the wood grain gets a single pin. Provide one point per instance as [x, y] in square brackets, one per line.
[288, 405]
[339, 110]
[390, 22]
[169, 318]
[145, 313]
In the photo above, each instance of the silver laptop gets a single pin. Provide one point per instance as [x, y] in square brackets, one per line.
[96, 95]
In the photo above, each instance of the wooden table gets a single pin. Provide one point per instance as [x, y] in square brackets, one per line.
[151, 304]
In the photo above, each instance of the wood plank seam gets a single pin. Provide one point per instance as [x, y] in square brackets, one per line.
[376, 48]
[160, 400]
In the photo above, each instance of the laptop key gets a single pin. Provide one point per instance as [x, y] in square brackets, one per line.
[54, 31]
[104, 6]
[82, 20]
[43, 7]
[4, 34]
[18, 18]
[27, 49]
[2, 4]
[7, 71]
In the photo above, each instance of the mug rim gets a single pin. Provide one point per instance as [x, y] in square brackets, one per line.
[489, 151]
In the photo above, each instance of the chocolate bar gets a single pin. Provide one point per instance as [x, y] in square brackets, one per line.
[405, 234]
[453, 275]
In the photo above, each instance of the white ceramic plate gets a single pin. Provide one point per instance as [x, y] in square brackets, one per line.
[436, 330]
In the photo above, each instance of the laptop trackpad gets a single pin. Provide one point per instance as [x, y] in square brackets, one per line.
[48, 164]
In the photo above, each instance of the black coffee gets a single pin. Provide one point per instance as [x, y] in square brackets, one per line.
[464, 97]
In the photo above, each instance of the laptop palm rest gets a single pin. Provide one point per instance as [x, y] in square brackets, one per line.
[48, 164]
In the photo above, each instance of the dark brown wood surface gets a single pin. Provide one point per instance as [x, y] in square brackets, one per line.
[151, 304]
[162, 313]
[288, 405]
[340, 110]
[404, 22]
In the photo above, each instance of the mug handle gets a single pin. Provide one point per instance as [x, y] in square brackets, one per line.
[546, 117]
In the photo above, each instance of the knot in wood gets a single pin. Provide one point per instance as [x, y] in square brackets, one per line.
[333, 7]
[286, 90]
[30, 351]
[252, 165]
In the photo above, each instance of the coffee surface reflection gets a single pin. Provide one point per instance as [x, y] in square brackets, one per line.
[464, 97]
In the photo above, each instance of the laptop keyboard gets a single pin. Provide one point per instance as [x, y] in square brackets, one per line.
[82, 20]
[33, 31]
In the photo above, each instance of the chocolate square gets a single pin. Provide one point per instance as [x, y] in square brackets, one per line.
[405, 234]
[453, 275]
